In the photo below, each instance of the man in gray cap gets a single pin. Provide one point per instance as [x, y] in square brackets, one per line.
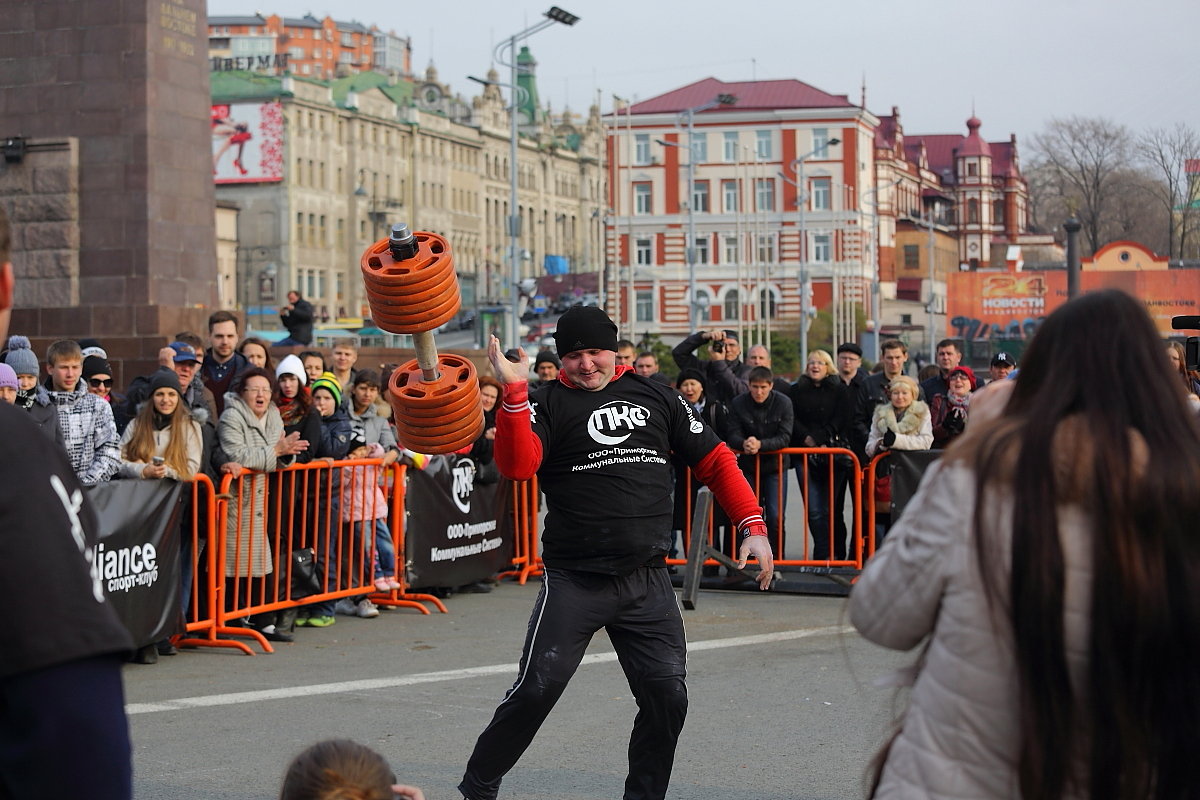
[599, 439]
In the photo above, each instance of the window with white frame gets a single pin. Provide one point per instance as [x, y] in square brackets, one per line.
[822, 247]
[644, 251]
[732, 253]
[729, 190]
[700, 197]
[766, 248]
[641, 198]
[820, 194]
[762, 144]
[764, 194]
[703, 304]
[641, 151]
[731, 146]
[820, 138]
[699, 148]
[733, 305]
[645, 306]
[703, 256]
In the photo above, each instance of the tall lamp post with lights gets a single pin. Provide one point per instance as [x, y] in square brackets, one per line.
[553, 16]
[805, 278]
[688, 117]
[876, 304]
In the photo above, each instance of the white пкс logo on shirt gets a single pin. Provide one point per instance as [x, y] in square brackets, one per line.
[614, 422]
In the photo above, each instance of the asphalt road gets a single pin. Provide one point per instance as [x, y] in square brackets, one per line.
[784, 704]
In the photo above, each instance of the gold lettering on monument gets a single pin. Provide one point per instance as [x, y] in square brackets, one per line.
[178, 21]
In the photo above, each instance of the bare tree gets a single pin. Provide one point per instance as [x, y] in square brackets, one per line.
[1082, 157]
[1166, 153]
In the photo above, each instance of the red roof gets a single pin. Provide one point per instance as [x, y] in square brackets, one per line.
[751, 95]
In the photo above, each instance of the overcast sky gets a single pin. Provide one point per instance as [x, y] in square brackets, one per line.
[1018, 63]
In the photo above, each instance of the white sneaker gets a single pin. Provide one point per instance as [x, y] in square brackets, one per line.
[367, 609]
[345, 606]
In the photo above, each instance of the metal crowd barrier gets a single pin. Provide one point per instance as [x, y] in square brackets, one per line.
[255, 523]
[257, 519]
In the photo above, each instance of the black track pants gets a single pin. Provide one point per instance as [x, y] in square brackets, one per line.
[642, 618]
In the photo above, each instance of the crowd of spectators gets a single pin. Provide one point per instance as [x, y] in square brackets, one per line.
[225, 403]
[237, 407]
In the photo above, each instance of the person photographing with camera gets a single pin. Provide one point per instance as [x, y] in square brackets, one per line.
[726, 373]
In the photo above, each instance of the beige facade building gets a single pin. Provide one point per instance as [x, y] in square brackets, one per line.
[370, 150]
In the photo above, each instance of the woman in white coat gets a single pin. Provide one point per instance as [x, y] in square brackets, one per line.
[1057, 596]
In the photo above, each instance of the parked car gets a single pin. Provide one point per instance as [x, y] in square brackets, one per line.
[541, 331]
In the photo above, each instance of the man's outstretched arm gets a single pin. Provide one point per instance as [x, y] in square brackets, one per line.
[517, 449]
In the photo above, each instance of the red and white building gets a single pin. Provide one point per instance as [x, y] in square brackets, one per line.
[744, 206]
[875, 206]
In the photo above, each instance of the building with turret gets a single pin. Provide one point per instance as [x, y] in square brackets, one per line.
[316, 170]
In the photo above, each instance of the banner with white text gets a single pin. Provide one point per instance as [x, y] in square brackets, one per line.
[138, 554]
[457, 530]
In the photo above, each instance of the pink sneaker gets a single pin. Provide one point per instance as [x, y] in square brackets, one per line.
[383, 585]
[394, 584]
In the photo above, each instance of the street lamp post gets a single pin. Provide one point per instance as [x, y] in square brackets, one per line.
[876, 306]
[805, 278]
[554, 15]
[689, 117]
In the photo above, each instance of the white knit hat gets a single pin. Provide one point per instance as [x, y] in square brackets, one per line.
[291, 365]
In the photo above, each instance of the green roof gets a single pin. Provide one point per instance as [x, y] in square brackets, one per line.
[244, 85]
[400, 93]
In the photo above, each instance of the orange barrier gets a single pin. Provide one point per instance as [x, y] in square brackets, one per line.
[859, 547]
[257, 520]
[526, 515]
[869, 476]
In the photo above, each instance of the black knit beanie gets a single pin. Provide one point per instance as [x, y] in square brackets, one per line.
[585, 328]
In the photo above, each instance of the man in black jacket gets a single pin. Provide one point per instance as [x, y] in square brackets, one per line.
[725, 371]
[297, 317]
[760, 421]
[60, 666]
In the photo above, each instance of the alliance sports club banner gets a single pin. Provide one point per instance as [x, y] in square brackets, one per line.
[457, 530]
[137, 557]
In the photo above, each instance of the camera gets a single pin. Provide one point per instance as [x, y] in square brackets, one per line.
[1192, 346]
[718, 346]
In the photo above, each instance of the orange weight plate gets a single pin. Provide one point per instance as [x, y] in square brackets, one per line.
[442, 445]
[416, 281]
[418, 322]
[431, 416]
[433, 254]
[456, 377]
[435, 428]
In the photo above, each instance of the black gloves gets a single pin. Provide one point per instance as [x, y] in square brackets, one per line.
[954, 423]
[889, 438]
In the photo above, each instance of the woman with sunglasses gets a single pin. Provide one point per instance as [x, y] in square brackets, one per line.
[98, 378]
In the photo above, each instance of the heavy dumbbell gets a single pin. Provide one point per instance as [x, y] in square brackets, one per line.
[412, 288]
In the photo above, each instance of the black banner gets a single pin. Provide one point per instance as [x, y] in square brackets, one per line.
[138, 554]
[457, 530]
[908, 467]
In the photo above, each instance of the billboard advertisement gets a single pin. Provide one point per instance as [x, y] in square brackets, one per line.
[247, 142]
[1010, 305]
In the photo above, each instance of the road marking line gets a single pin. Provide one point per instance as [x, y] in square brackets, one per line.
[235, 698]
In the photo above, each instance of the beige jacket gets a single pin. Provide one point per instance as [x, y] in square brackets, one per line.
[959, 737]
[249, 441]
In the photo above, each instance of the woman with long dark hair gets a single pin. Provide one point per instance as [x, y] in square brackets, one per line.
[1052, 558]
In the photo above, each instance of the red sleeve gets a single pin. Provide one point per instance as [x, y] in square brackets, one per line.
[719, 472]
[518, 450]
